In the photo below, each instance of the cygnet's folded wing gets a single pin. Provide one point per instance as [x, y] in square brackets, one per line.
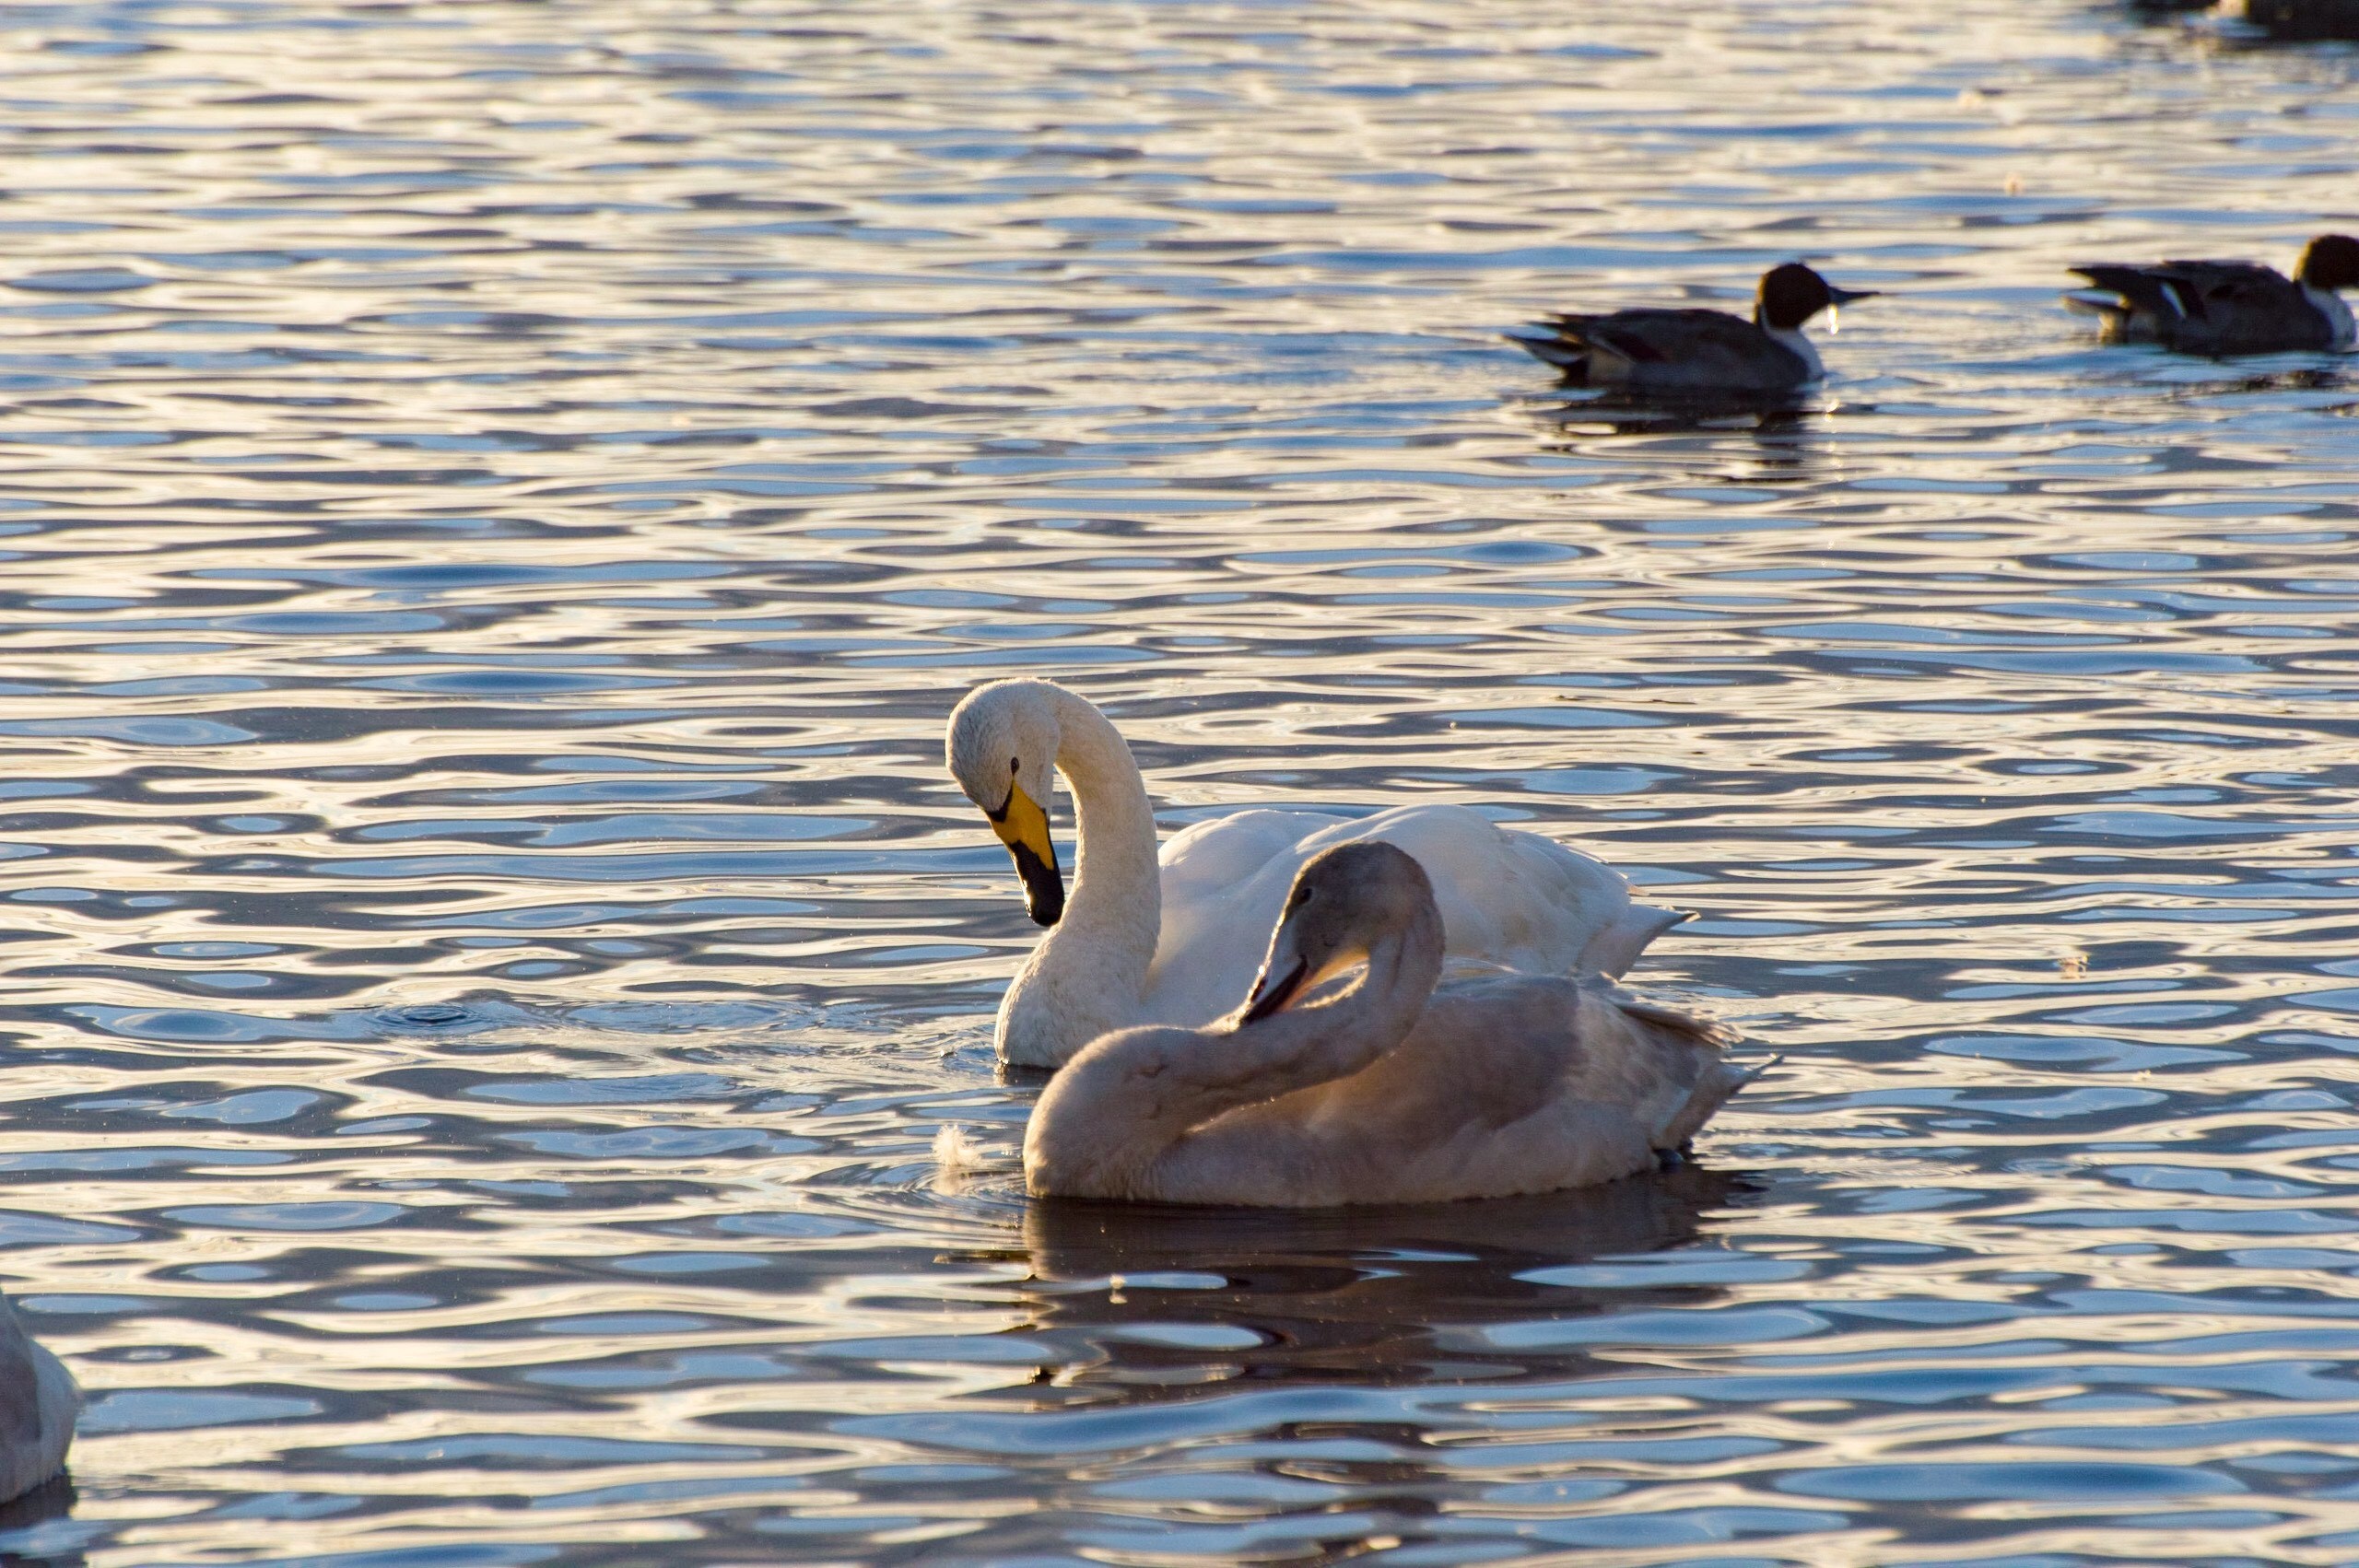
[1523, 1084]
[1694, 1042]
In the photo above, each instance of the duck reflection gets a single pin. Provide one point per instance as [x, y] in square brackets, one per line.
[1160, 1302]
[1784, 430]
[1760, 415]
[2298, 381]
[2306, 380]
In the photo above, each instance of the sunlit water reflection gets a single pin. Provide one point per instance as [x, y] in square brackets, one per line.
[500, 498]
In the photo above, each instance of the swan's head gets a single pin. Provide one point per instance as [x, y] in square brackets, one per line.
[1345, 900]
[1002, 751]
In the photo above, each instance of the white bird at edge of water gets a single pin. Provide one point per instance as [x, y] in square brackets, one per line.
[37, 1404]
[1145, 940]
[1380, 1088]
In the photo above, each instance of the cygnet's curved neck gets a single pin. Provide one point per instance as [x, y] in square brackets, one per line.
[1117, 1121]
[1325, 1040]
[1117, 886]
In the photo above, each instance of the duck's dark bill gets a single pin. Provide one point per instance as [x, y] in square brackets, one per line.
[1272, 996]
[1844, 295]
[1044, 889]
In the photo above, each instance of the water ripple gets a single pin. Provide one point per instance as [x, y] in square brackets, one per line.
[493, 534]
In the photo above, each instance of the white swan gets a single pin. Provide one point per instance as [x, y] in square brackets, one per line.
[1387, 1090]
[1140, 943]
[37, 1404]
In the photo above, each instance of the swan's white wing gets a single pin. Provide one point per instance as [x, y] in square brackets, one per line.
[1515, 900]
[1204, 861]
[1224, 883]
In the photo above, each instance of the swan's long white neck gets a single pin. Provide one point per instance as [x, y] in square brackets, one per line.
[1089, 974]
[1116, 885]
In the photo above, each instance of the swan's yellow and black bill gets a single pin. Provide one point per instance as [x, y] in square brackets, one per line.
[1022, 826]
[1270, 993]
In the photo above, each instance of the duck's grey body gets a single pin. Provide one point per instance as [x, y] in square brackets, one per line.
[2222, 308]
[1696, 351]
[1681, 351]
[37, 1404]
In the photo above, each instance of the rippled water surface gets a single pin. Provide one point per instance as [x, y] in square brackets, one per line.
[499, 499]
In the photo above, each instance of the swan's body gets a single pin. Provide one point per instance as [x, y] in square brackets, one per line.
[1388, 1090]
[37, 1404]
[1142, 942]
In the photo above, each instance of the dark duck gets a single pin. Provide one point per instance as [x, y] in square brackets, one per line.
[1697, 351]
[2218, 307]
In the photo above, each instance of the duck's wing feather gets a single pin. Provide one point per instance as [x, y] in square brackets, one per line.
[2210, 305]
[2255, 310]
[2182, 287]
[1653, 335]
[1667, 348]
[2213, 277]
[1606, 347]
[2144, 291]
[1566, 353]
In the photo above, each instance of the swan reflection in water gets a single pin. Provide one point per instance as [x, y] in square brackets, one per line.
[1151, 1301]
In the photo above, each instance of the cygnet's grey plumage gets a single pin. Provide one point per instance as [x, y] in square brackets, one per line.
[1335, 1085]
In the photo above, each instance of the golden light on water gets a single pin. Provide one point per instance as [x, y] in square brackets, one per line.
[501, 500]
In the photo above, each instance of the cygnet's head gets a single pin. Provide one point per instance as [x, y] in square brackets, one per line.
[1344, 899]
[1002, 751]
